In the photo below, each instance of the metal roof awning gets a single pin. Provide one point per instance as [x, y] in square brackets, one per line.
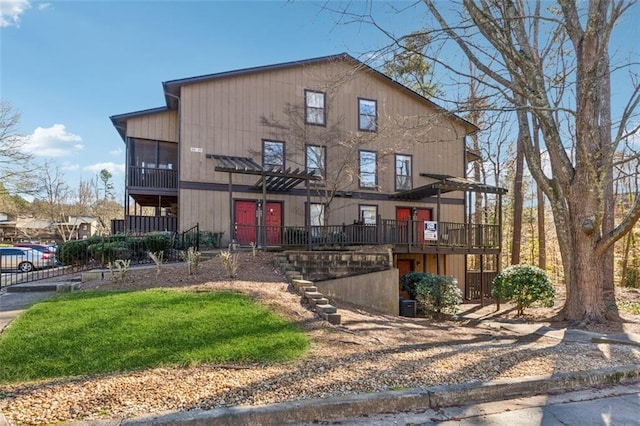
[445, 184]
[274, 180]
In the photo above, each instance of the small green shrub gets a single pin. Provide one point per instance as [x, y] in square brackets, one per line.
[73, 252]
[109, 252]
[524, 285]
[408, 282]
[438, 294]
[156, 242]
[295, 236]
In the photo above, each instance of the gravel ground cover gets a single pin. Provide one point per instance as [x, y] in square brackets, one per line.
[368, 352]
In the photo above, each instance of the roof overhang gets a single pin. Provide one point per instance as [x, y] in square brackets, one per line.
[119, 121]
[274, 180]
[444, 184]
[171, 88]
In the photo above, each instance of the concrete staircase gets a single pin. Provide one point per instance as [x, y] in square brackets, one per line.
[316, 300]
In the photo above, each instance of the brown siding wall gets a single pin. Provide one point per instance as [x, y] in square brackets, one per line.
[162, 126]
[223, 116]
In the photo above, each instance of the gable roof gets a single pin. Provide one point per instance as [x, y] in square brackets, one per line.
[172, 87]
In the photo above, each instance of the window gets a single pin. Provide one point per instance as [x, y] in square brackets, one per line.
[368, 214]
[316, 219]
[316, 160]
[153, 154]
[368, 165]
[272, 155]
[403, 172]
[314, 107]
[367, 115]
[316, 212]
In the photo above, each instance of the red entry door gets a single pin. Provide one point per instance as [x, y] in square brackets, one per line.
[404, 266]
[273, 214]
[245, 222]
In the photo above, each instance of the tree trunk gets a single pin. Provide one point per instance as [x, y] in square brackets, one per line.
[517, 205]
[584, 274]
[542, 238]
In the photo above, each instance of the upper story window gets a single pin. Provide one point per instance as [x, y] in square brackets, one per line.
[367, 115]
[316, 160]
[272, 155]
[368, 169]
[153, 154]
[314, 107]
[403, 172]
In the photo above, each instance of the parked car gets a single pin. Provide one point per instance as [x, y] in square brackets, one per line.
[25, 259]
[42, 248]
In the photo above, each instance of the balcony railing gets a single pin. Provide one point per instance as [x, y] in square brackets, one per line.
[146, 177]
[144, 224]
[397, 233]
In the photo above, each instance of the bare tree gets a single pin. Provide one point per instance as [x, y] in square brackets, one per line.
[564, 83]
[334, 152]
[578, 187]
[56, 202]
[14, 162]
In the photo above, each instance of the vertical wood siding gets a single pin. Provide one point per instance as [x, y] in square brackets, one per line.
[161, 126]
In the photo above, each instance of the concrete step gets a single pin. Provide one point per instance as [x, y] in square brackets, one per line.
[332, 318]
[326, 309]
[313, 295]
[299, 284]
[310, 288]
[321, 301]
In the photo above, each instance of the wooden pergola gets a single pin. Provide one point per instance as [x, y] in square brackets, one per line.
[270, 180]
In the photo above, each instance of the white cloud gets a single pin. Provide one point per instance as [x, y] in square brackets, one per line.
[68, 167]
[116, 151]
[113, 168]
[43, 6]
[10, 11]
[53, 141]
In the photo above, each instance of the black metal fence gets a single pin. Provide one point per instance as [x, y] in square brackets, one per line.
[71, 257]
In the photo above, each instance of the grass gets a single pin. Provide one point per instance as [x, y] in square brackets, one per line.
[103, 332]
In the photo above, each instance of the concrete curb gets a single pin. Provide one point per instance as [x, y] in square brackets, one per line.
[390, 401]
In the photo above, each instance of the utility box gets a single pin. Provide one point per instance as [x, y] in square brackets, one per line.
[407, 308]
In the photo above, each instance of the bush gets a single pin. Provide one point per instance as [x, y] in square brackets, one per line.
[210, 239]
[73, 252]
[409, 280]
[438, 294]
[108, 252]
[295, 236]
[156, 242]
[524, 285]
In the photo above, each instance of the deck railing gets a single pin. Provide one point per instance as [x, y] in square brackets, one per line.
[144, 224]
[146, 177]
[398, 233]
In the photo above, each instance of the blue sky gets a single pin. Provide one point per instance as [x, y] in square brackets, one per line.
[67, 66]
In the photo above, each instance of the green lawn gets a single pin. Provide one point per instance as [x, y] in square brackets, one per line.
[103, 332]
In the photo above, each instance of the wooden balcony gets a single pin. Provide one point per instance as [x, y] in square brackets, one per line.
[405, 236]
[144, 224]
[145, 177]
